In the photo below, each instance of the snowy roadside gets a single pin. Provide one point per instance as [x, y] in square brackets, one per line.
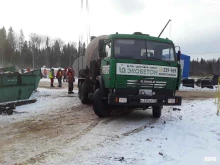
[48, 100]
[183, 137]
[48, 80]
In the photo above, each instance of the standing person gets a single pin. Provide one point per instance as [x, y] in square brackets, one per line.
[51, 76]
[70, 76]
[64, 75]
[28, 69]
[59, 77]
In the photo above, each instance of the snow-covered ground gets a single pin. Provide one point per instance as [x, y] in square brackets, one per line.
[58, 129]
[178, 137]
[47, 101]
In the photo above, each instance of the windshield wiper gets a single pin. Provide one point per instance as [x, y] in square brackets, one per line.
[152, 58]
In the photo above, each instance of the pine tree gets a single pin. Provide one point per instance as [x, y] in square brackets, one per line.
[11, 40]
[8, 53]
[21, 40]
[57, 54]
[2, 43]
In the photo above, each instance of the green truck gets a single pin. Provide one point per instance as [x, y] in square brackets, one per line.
[130, 70]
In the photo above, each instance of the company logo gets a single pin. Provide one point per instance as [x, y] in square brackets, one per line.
[146, 70]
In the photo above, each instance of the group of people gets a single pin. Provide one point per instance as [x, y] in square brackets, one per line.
[67, 75]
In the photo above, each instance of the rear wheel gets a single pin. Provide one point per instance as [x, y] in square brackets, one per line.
[10, 111]
[79, 93]
[100, 106]
[84, 94]
[157, 111]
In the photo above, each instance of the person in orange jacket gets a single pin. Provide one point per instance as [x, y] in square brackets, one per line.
[59, 77]
[70, 76]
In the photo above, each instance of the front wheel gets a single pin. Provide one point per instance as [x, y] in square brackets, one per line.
[157, 111]
[84, 94]
[100, 106]
[79, 93]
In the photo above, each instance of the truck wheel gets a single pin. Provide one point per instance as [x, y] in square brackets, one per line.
[100, 107]
[79, 93]
[156, 111]
[10, 111]
[84, 94]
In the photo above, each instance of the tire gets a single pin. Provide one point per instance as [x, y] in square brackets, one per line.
[10, 111]
[100, 106]
[84, 94]
[157, 111]
[79, 93]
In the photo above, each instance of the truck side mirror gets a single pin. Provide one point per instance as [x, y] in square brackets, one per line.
[101, 45]
[101, 48]
[178, 55]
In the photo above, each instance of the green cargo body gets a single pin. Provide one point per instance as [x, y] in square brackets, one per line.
[8, 69]
[15, 86]
[37, 74]
[15, 93]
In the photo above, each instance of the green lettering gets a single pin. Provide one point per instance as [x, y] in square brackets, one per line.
[122, 70]
[128, 70]
[133, 70]
[141, 71]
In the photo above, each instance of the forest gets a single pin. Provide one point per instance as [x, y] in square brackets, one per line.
[38, 51]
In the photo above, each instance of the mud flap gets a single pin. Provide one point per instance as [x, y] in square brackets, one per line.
[206, 83]
[188, 82]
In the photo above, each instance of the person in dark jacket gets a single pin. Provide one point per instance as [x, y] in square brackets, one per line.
[59, 77]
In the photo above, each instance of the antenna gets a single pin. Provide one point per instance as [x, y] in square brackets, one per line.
[88, 25]
[164, 28]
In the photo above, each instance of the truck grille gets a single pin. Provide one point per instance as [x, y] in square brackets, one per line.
[147, 83]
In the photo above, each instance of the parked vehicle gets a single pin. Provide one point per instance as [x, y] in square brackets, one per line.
[130, 70]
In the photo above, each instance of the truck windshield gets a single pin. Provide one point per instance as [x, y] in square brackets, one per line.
[143, 49]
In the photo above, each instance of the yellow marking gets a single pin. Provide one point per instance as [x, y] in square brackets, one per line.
[217, 98]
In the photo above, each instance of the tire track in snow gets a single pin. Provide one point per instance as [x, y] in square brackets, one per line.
[55, 151]
[139, 129]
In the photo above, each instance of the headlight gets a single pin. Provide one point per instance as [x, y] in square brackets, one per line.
[122, 100]
[171, 101]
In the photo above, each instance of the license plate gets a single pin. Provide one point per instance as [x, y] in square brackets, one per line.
[148, 100]
[145, 92]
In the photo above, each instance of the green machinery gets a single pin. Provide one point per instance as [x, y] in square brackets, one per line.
[15, 86]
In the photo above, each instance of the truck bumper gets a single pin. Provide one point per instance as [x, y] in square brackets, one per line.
[141, 101]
